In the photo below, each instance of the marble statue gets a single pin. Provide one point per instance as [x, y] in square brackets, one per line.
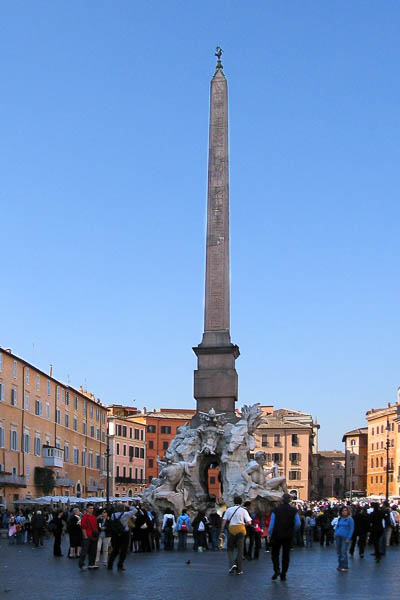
[183, 479]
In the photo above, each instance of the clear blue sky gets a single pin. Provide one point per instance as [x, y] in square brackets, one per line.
[104, 116]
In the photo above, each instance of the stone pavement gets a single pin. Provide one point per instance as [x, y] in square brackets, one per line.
[33, 574]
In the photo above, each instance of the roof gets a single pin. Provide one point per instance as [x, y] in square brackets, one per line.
[167, 415]
[353, 432]
[273, 423]
[332, 454]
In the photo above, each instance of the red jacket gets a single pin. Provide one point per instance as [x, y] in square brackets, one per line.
[89, 524]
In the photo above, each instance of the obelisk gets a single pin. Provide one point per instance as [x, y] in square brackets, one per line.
[216, 380]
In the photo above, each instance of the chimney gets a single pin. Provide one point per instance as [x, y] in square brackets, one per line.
[144, 411]
[8, 350]
[51, 371]
[389, 405]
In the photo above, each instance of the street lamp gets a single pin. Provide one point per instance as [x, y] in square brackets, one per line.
[107, 455]
[333, 465]
[387, 458]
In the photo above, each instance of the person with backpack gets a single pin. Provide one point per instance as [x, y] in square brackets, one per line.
[200, 526]
[57, 530]
[284, 521]
[90, 535]
[75, 533]
[104, 524]
[167, 528]
[120, 535]
[182, 527]
[309, 527]
[236, 517]
[344, 531]
[361, 526]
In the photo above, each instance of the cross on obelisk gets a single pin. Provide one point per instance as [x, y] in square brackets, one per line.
[215, 380]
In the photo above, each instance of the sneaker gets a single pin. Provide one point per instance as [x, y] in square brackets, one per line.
[121, 569]
[233, 569]
[83, 568]
[275, 576]
[283, 576]
[239, 573]
[339, 569]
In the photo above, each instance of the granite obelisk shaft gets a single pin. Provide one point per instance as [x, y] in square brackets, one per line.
[215, 380]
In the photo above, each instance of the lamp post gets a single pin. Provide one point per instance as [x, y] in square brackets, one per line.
[107, 456]
[387, 457]
[333, 465]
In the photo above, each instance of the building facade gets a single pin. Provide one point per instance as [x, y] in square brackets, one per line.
[383, 450]
[161, 428]
[127, 446]
[52, 436]
[356, 456]
[288, 440]
[330, 467]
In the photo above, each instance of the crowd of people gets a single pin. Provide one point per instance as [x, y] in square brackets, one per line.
[107, 534]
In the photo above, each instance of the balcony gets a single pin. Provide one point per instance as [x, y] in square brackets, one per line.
[129, 480]
[53, 457]
[64, 482]
[278, 444]
[12, 480]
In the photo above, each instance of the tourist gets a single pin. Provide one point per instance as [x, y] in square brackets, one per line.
[200, 527]
[376, 528]
[284, 522]
[361, 527]
[104, 525]
[344, 531]
[12, 529]
[236, 517]
[37, 524]
[120, 535]
[182, 527]
[90, 535]
[257, 524]
[57, 530]
[75, 534]
[309, 526]
[155, 532]
[214, 529]
[168, 525]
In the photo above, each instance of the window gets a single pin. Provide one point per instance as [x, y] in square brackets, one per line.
[84, 407]
[48, 388]
[97, 434]
[141, 435]
[58, 393]
[151, 463]
[27, 402]
[84, 428]
[264, 440]
[124, 431]
[124, 450]
[76, 456]
[165, 429]
[117, 448]
[376, 479]
[136, 434]
[92, 431]
[381, 479]
[97, 461]
[38, 408]
[151, 445]
[137, 450]
[123, 471]
[372, 431]
[1, 392]
[67, 398]
[372, 447]
[27, 442]
[372, 463]
[212, 480]
[90, 460]
[38, 383]
[295, 458]
[277, 458]
[103, 418]
[97, 414]
[130, 432]
[392, 426]
[392, 443]
[75, 424]
[27, 375]
[353, 442]
[381, 461]
[91, 411]
[66, 420]
[62, 395]
[165, 445]
[1, 437]
[103, 436]
[130, 451]
[277, 439]
[151, 428]
[66, 452]
[37, 446]
[83, 458]
[141, 452]
[295, 439]
[15, 369]
[58, 416]
[117, 473]
[76, 402]
[1, 362]
[13, 397]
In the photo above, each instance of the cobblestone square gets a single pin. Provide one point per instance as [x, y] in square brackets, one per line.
[34, 574]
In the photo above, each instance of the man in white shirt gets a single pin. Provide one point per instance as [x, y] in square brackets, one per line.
[237, 517]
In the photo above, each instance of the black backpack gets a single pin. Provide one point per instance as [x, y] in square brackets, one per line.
[169, 523]
[116, 526]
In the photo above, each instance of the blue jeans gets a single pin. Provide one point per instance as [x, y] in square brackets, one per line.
[309, 536]
[341, 548]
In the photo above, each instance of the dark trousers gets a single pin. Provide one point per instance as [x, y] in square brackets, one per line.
[277, 544]
[119, 544]
[255, 542]
[362, 538]
[168, 539]
[57, 544]
[324, 536]
[155, 539]
[89, 548]
[37, 535]
[182, 535]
